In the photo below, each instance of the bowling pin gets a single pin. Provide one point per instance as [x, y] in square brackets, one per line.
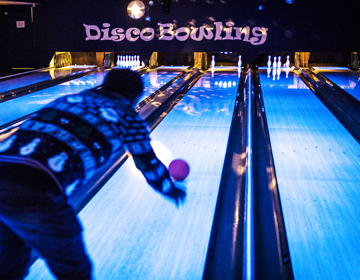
[274, 64]
[239, 62]
[212, 71]
[269, 71]
[274, 73]
[213, 61]
[138, 61]
[288, 61]
[126, 61]
[279, 62]
[269, 62]
[278, 72]
[118, 61]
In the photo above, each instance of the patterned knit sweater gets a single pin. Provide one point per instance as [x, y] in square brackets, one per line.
[72, 137]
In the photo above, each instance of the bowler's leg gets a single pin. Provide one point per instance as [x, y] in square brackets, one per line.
[65, 257]
[57, 238]
[14, 254]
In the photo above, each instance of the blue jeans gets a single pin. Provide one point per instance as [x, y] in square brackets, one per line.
[37, 216]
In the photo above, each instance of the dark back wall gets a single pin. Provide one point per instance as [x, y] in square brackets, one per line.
[248, 27]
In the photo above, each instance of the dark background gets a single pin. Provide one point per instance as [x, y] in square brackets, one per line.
[304, 26]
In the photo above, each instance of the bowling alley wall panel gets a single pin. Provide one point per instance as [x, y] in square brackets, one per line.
[246, 26]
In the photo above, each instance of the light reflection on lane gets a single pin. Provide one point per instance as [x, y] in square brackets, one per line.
[210, 95]
[283, 77]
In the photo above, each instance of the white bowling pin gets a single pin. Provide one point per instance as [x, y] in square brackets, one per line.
[279, 62]
[239, 62]
[288, 61]
[269, 62]
[268, 71]
[274, 64]
[213, 61]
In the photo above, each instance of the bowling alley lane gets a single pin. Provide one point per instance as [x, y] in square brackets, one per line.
[19, 107]
[317, 164]
[132, 232]
[26, 79]
[345, 78]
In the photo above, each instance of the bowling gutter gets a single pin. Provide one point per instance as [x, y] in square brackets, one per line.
[224, 258]
[157, 108]
[272, 255]
[341, 104]
[246, 240]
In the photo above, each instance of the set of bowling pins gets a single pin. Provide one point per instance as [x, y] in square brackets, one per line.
[213, 65]
[128, 61]
[276, 65]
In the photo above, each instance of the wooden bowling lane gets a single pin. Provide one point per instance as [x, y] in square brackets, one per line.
[317, 164]
[131, 232]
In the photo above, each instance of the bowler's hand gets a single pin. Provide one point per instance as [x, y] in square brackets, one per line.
[177, 195]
